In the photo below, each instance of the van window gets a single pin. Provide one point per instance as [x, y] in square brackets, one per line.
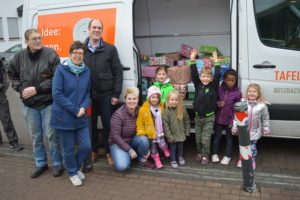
[278, 23]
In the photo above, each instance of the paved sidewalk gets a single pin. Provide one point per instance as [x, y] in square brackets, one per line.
[104, 183]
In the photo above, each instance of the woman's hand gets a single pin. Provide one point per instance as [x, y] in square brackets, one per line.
[81, 112]
[132, 154]
[193, 54]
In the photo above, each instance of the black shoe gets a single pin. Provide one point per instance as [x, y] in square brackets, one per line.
[57, 171]
[38, 171]
[17, 147]
[87, 168]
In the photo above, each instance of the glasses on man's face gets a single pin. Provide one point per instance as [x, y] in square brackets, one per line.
[36, 39]
[77, 53]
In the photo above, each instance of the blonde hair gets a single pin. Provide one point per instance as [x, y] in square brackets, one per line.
[206, 70]
[257, 88]
[179, 108]
[132, 90]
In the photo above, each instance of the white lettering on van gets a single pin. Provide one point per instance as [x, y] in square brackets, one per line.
[292, 75]
[51, 32]
[287, 90]
[56, 47]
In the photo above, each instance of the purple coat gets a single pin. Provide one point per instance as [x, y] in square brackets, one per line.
[122, 127]
[225, 114]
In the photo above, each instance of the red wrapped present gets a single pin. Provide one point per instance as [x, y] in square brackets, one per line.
[185, 51]
[162, 60]
[149, 71]
[180, 74]
[182, 89]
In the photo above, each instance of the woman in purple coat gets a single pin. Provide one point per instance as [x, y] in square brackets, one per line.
[228, 95]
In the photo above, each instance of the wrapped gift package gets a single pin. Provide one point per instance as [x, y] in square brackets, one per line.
[173, 55]
[180, 74]
[209, 51]
[182, 88]
[162, 61]
[182, 62]
[185, 51]
[149, 71]
[191, 87]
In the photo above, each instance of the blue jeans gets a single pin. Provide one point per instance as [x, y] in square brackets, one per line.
[176, 146]
[101, 107]
[38, 122]
[81, 137]
[217, 137]
[122, 158]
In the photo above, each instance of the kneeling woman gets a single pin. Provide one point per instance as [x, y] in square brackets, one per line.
[71, 97]
[124, 144]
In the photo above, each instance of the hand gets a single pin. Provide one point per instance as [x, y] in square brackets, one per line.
[220, 104]
[160, 135]
[193, 54]
[266, 132]
[28, 92]
[114, 101]
[234, 131]
[81, 112]
[132, 154]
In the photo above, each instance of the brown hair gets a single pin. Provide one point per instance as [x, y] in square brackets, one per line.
[77, 45]
[179, 108]
[28, 33]
[160, 68]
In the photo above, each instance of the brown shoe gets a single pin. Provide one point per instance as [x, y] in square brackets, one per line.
[94, 156]
[109, 159]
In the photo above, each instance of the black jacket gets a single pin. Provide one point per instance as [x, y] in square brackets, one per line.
[205, 101]
[34, 69]
[106, 70]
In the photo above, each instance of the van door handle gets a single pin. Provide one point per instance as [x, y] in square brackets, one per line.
[262, 66]
[126, 68]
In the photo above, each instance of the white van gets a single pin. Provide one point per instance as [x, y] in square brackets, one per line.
[262, 37]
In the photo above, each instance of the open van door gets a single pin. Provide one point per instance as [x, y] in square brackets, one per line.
[62, 21]
[273, 31]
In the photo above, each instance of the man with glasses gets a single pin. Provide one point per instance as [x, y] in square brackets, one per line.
[107, 80]
[31, 72]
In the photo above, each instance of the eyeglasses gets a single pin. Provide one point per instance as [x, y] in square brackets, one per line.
[36, 38]
[77, 53]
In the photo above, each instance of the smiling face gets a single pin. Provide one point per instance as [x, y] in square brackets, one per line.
[77, 56]
[34, 41]
[205, 78]
[95, 30]
[252, 93]
[154, 99]
[174, 100]
[131, 101]
[161, 76]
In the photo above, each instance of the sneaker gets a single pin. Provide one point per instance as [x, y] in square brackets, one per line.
[17, 147]
[215, 158]
[239, 163]
[225, 160]
[181, 160]
[81, 175]
[38, 171]
[75, 180]
[174, 164]
[148, 164]
[204, 160]
[57, 171]
[198, 157]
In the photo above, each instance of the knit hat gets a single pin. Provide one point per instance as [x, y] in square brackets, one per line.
[153, 90]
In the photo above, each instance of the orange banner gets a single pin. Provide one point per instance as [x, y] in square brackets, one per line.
[60, 30]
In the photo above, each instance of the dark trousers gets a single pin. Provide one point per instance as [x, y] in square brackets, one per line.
[176, 146]
[6, 121]
[217, 139]
[101, 107]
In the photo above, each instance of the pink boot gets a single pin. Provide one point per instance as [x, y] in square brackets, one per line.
[167, 153]
[157, 160]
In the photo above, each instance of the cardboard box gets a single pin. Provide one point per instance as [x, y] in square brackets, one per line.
[180, 74]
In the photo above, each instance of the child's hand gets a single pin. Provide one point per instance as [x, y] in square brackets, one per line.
[81, 112]
[160, 135]
[234, 131]
[220, 104]
[193, 54]
[266, 132]
[132, 154]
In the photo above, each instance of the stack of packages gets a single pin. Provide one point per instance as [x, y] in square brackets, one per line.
[178, 68]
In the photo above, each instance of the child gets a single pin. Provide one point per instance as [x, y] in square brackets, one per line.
[163, 83]
[258, 115]
[228, 95]
[205, 104]
[149, 123]
[176, 125]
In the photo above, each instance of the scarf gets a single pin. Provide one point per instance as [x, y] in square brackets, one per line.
[76, 69]
[157, 119]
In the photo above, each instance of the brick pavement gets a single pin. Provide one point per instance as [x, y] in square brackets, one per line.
[104, 183]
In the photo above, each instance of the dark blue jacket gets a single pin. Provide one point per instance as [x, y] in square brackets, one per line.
[70, 92]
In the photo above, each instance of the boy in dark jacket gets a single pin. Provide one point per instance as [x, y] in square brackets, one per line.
[5, 117]
[205, 104]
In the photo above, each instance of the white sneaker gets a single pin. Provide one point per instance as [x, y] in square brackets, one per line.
[215, 158]
[225, 160]
[76, 181]
[239, 163]
[81, 175]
